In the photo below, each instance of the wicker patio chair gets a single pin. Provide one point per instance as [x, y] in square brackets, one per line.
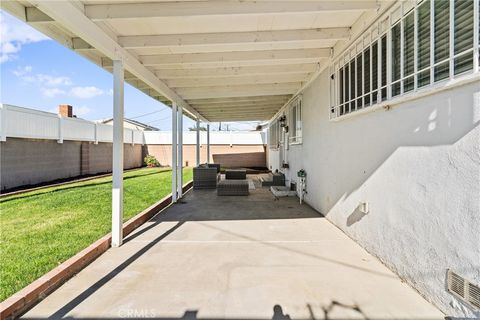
[205, 177]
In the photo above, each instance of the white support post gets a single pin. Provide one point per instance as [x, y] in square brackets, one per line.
[180, 152]
[117, 164]
[208, 143]
[198, 143]
[174, 151]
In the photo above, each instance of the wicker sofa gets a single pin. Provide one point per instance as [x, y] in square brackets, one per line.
[233, 188]
[206, 176]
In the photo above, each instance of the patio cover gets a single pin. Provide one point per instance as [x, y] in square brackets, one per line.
[218, 60]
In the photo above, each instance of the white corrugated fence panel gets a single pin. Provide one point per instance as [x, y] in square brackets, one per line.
[78, 129]
[27, 123]
[104, 133]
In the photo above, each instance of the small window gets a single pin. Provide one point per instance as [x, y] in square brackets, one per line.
[295, 123]
[274, 134]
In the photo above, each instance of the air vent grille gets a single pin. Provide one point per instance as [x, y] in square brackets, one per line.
[462, 288]
[474, 295]
[457, 284]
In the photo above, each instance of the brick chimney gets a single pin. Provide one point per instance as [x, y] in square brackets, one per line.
[65, 110]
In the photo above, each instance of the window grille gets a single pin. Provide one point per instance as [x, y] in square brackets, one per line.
[410, 48]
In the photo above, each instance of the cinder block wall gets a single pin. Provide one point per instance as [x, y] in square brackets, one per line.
[228, 156]
[32, 161]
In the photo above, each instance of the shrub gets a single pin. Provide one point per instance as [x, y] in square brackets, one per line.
[151, 161]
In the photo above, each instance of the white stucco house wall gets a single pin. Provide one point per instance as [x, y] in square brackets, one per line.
[413, 157]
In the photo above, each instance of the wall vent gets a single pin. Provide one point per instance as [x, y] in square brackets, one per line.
[462, 288]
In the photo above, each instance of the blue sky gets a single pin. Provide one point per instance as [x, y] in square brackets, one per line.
[38, 73]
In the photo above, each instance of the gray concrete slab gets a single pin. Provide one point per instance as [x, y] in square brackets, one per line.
[251, 257]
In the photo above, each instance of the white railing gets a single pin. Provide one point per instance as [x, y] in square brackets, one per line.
[18, 122]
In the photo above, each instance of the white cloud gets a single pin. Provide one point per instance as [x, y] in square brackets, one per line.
[13, 35]
[22, 71]
[51, 86]
[52, 92]
[25, 74]
[81, 111]
[86, 92]
[52, 81]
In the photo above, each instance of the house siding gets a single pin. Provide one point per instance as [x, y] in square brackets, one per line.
[418, 167]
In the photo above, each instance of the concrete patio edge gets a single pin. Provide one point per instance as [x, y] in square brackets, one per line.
[36, 291]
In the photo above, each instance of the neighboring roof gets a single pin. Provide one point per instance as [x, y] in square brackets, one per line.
[134, 122]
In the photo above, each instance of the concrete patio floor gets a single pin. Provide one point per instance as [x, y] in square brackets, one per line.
[252, 257]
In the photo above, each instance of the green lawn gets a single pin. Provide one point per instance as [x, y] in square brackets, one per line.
[43, 228]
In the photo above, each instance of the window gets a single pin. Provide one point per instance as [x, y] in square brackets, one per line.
[410, 48]
[295, 121]
[274, 134]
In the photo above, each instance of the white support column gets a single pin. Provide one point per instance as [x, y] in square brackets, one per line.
[117, 164]
[174, 151]
[208, 143]
[180, 152]
[198, 143]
